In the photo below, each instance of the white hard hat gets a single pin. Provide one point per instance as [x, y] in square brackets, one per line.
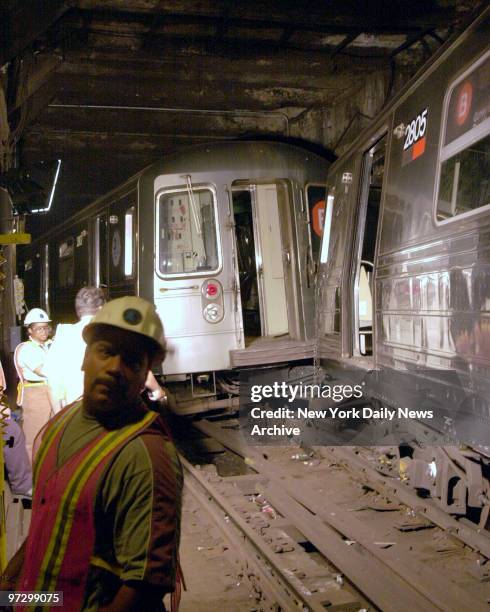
[133, 314]
[36, 315]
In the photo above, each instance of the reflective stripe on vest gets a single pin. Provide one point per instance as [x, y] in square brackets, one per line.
[48, 568]
[56, 423]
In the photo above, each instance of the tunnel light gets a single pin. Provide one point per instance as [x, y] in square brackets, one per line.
[53, 189]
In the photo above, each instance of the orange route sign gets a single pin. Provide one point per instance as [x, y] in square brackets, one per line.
[318, 217]
[463, 104]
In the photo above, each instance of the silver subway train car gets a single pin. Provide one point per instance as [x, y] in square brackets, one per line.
[223, 238]
[404, 279]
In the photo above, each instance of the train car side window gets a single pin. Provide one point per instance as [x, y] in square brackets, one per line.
[464, 163]
[187, 232]
[45, 279]
[129, 242]
[66, 264]
[100, 247]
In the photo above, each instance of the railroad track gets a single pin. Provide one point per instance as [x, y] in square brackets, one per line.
[375, 550]
[283, 576]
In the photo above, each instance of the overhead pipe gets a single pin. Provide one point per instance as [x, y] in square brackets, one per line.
[190, 111]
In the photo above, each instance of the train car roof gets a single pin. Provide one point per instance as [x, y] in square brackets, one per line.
[229, 155]
[226, 156]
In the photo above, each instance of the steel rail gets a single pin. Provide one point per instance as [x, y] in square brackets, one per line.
[473, 537]
[443, 594]
[287, 595]
[376, 582]
[439, 595]
[361, 567]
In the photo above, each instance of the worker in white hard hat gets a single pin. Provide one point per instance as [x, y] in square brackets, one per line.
[33, 392]
[105, 529]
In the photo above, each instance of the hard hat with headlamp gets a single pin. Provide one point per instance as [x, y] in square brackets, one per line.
[132, 314]
[36, 315]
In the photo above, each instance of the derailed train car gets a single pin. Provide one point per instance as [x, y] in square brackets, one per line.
[404, 280]
[223, 238]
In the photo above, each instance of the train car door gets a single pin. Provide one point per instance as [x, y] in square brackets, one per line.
[272, 287]
[370, 203]
[121, 246]
[264, 257]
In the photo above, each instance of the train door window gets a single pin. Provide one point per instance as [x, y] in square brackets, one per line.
[464, 161]
[247, 265]
[188, 232]
[315, 196]
[82, 277]
[66, 263]
[31, 273]
[45, 279]
[121, 243]
[100, 246]
[369, 207]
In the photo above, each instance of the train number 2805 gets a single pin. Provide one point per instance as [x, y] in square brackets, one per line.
[415, 129]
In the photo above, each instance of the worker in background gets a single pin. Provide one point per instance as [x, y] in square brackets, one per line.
[30, 358]
[17, 476]
[17, 463]
[64, 361]
[111, 542]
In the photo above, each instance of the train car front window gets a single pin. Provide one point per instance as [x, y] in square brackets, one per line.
[464, 184]
[188, 241]
[66, 266]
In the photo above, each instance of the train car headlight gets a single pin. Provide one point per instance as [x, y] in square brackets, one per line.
[213, 313]
[213, 307]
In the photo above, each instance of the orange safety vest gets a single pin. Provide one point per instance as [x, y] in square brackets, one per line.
[62, 531]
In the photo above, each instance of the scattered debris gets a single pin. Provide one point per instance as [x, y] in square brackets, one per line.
[384, 544]
[264, 506]
[414, 523]
[447, 544]
[382, 505]
[300, 456]
[283, 547]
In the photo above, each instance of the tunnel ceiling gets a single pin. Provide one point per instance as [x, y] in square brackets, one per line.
[110, 86]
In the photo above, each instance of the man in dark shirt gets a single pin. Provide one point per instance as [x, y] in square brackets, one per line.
[107, 494]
